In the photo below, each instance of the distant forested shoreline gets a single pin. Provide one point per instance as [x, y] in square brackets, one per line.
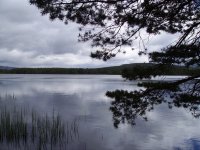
[124, 70]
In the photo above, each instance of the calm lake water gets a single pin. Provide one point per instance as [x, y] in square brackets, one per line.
[80, 103]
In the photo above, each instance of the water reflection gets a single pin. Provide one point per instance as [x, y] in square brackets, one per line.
[128, 106]
[81, 99]
[24, 128]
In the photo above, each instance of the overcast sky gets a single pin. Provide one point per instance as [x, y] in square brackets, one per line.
[28, 39]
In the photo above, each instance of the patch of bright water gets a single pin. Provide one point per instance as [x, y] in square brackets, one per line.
[80, 103]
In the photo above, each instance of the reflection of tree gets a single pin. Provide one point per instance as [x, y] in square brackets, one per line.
[127, 106]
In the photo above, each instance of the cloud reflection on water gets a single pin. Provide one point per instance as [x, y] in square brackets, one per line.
[83, 98]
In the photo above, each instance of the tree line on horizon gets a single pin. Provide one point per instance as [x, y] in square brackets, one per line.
[131, 71]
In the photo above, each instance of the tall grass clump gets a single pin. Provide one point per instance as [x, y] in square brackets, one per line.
[26, 129]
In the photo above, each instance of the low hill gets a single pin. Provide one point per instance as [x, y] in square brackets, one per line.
[6, 68]
[113, 70]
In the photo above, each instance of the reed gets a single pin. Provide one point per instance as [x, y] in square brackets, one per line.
[29, 130]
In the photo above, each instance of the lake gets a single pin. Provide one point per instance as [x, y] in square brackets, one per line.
[73, 112]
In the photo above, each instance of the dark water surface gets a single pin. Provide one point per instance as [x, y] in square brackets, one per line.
[83, 120]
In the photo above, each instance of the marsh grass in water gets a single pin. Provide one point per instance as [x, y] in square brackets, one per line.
[24, 129]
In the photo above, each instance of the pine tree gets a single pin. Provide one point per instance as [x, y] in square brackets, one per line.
[115, 24]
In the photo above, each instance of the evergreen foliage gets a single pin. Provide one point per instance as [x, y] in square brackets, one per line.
[115, 24]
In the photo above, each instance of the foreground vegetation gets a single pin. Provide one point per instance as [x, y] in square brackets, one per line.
[21, 128]
[127, 71]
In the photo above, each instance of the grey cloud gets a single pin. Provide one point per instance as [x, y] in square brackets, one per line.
[31, 40]
[24, 28]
